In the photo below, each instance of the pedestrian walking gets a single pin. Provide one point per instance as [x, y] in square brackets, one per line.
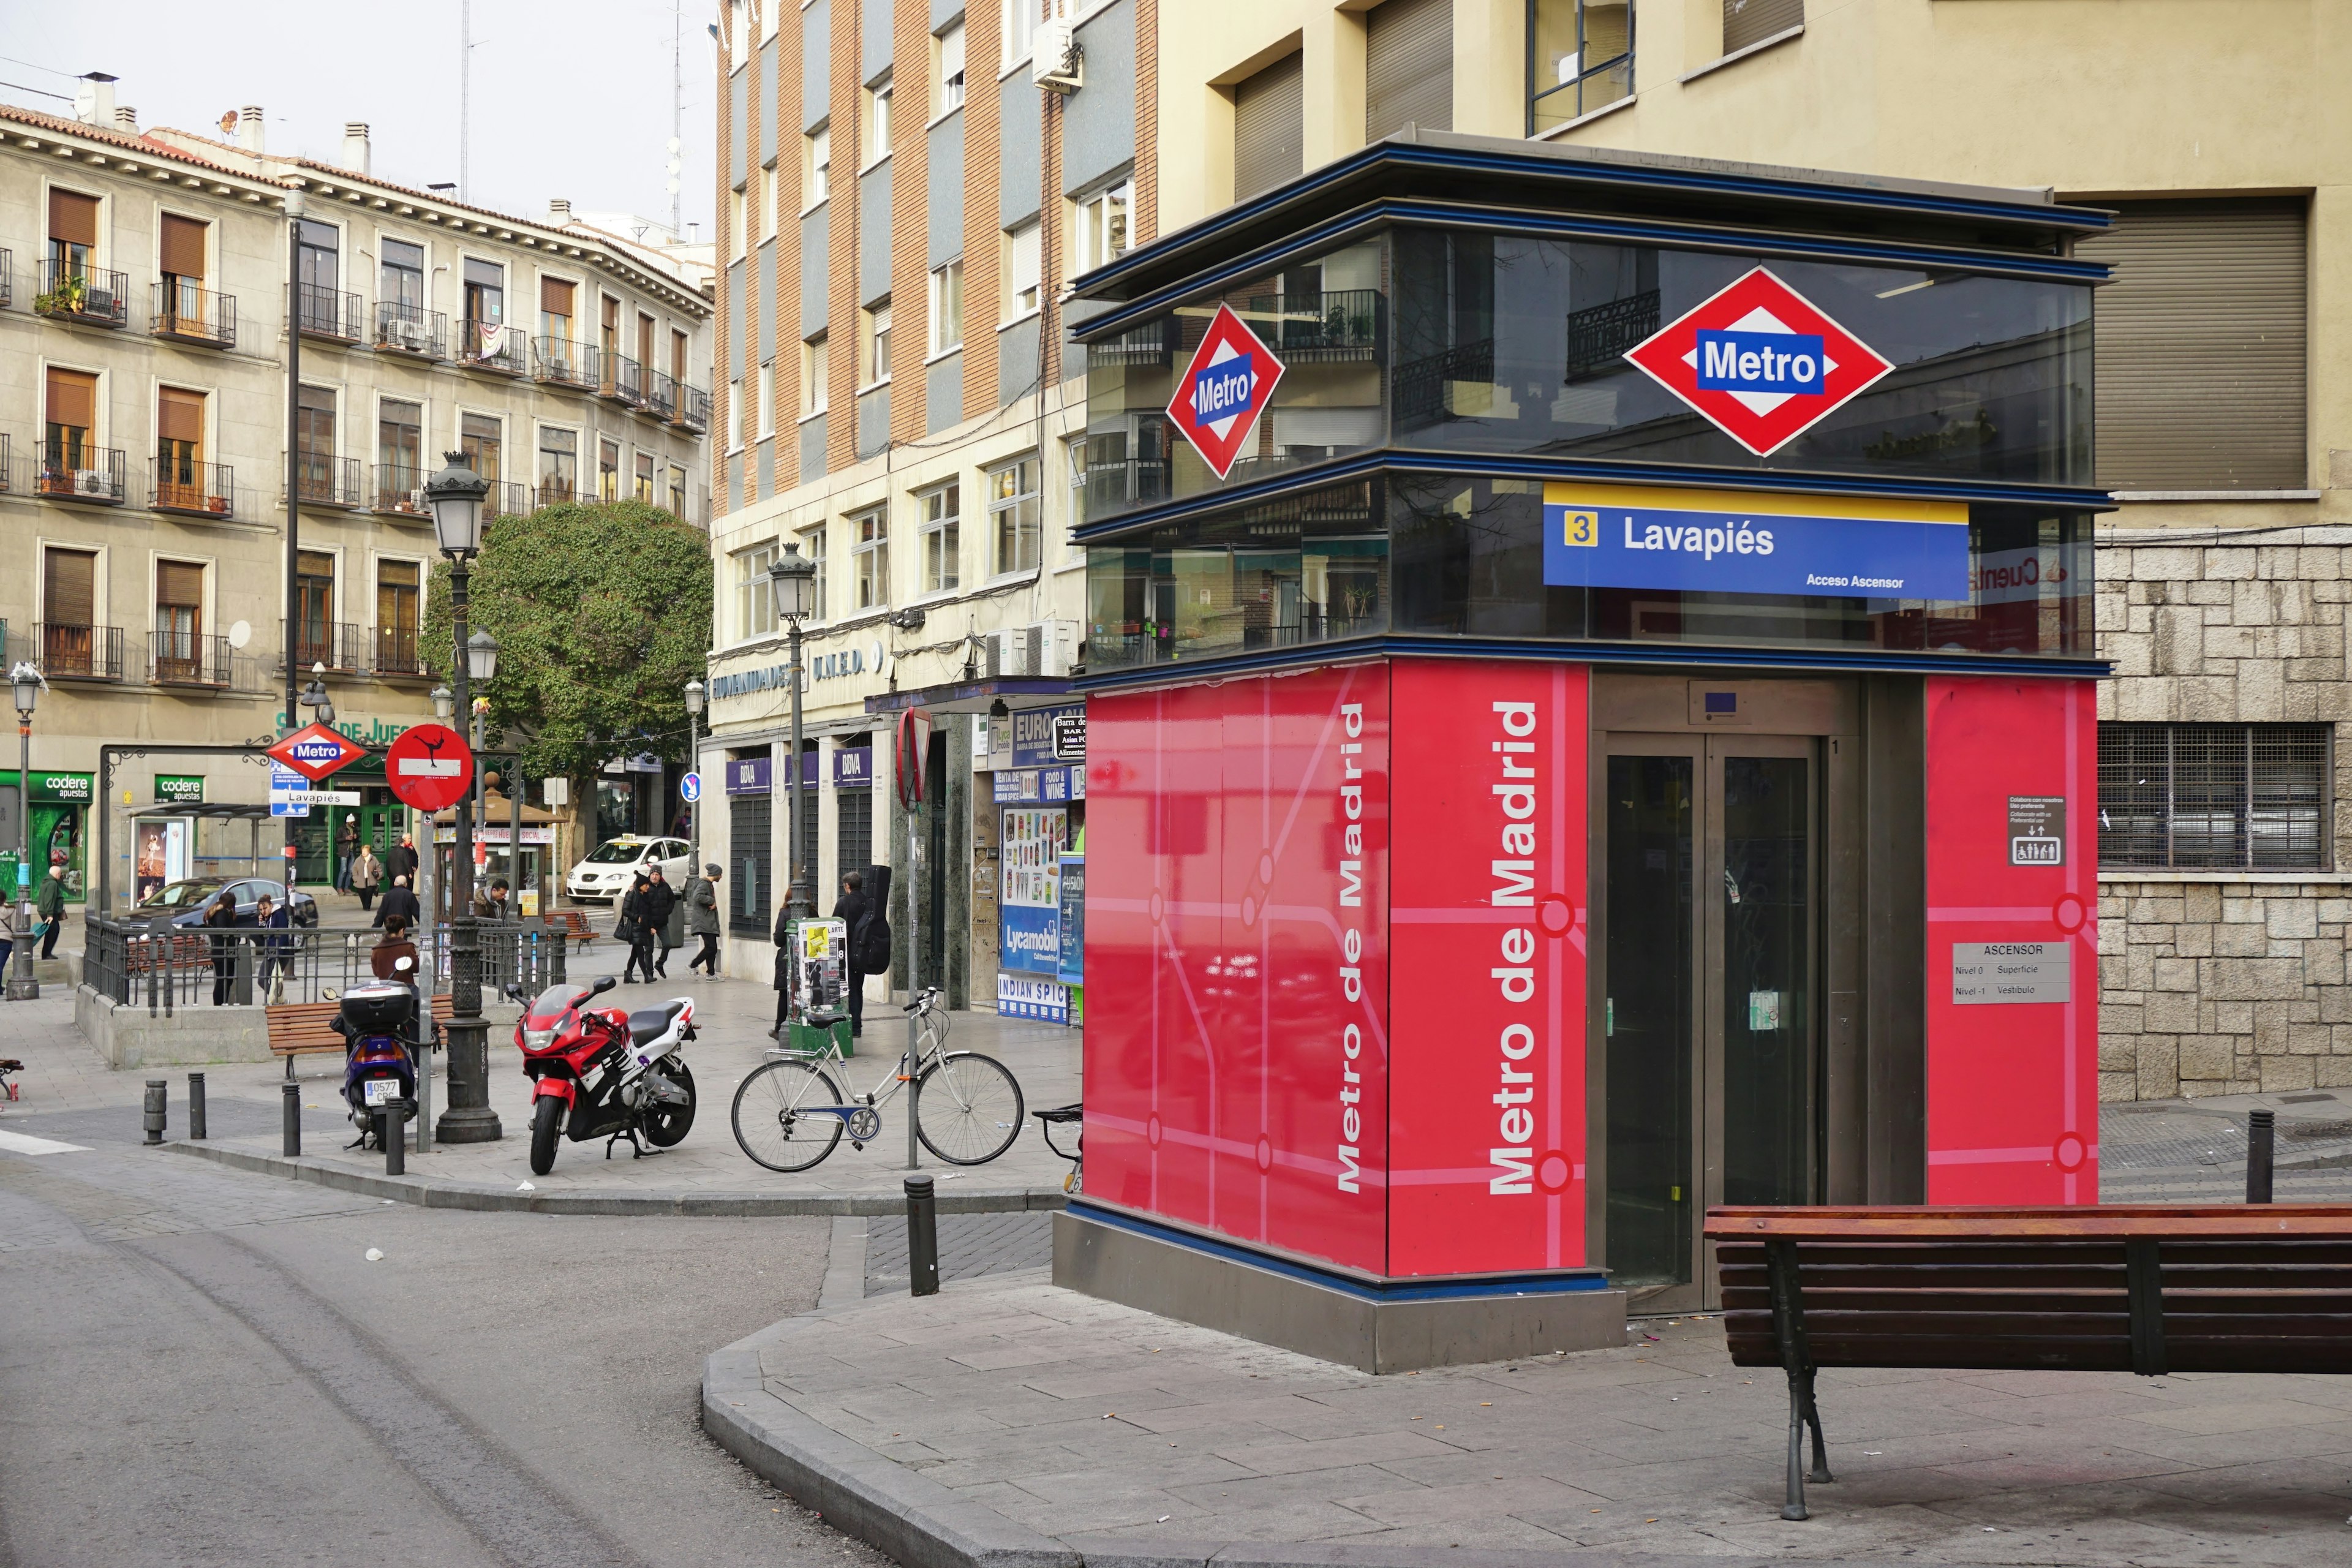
[400, 902]
[785, 971]
[856, 910]
[220, 924]
[702, 919]
[631, 927]
[400, 860]
[51, 906]
[271, 958]
[367, 874]
[384, 956]
[665, 918]
[347, 848]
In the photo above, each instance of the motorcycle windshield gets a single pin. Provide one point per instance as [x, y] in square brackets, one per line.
[547, 1011]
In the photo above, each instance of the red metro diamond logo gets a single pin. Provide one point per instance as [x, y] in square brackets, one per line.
[1761, 362]
[315, 750]
[1228, 383]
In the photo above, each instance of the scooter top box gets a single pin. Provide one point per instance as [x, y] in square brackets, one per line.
[379, 1007]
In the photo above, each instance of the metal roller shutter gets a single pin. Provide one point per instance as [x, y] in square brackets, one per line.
[180, 416]
[73, 218]
[184, 247]
[1269, 128]
[2201, 345]
[1747, 22]
[1408, 66]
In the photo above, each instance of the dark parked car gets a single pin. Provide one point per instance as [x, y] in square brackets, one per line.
[185, 903]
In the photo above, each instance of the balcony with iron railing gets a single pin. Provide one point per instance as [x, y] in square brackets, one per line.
[186, 313]
[8, 278]
[325, 480]
[661, 396]
[397, 653]
[508, 498]
[330, 313]
[562, 362]
[192, 488]
[399, 490]
[490, 346]
[338, 645]
[79, 652]
[7, 466]
[89, 295]
[557, 493]
[693, 409]
[78, 471]
[189, 659]
[411, 330]
[1337, 324]
[620, 378]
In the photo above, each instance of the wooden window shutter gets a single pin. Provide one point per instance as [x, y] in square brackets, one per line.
[179, 583]
[180, 416]
[73, 218]
[72, 399]
[2200, 346]
[68, 587]
[1747, 22]
[1408, 66]
[1269, 128]
[184, 247]
[555, 296]
[314, 564]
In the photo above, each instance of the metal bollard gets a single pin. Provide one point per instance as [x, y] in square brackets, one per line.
[922, 1237]
[394, 1136]
[196, 1106]
[2261, 1131]
[292, 1119]
[154, 1117]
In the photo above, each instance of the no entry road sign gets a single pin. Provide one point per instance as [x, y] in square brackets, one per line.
[429, 767]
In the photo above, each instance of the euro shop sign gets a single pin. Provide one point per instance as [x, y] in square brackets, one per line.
[314, 752]
[1224, 390]
[1731, 541]
[1759, 362]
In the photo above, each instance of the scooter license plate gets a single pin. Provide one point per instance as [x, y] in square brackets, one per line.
[379, 1091]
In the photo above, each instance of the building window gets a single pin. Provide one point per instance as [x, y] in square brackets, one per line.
[559, 464]
[317, 265]
[1074, 453]
[180, 479]
[314, 445]
[870, 557]
[73, 233]
[678, 492]
[486, 307]
[1583, 57]
[399, 452]
[751, 832]
[1408, 66]
[1747, 23]
[878, 122]
[678, 356]
[854, 823]
[2222, 407]
[1269, 128]
[400, 280]
[1018, 28]
[939, 537]
[813, 546]
[480, 438]
[314, 614]
[755, 601]
[874, 326]
[2190, 796]
[1100, 233]
[771, 189]
[71, 640]
[947, 309]
[1016, 515]
[816, 375]
[398, 618]
[179, 620]
[947, 82]
[767, 400]
[608, 470]
[184, 243]
[816, 167]
[1021, 272]
[738, 419]
[644, 480]
[738, 212]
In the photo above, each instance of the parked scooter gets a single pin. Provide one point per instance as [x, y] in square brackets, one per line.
[377, 1020]
[604, 1072]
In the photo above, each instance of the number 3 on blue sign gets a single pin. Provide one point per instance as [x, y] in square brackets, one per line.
[1581, 528]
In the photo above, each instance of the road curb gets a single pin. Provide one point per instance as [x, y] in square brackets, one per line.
[464, 1195]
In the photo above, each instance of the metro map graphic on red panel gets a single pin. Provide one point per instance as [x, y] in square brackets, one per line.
[1223, 391]
[1761, 362]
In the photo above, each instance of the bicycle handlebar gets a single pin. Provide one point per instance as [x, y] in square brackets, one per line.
[922, 1000]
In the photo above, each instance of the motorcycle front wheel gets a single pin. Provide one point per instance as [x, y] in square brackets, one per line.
[774, 1122]
[546, 1124]
[665, 1125]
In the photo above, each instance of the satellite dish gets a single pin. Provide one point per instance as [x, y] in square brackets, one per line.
[240, 634]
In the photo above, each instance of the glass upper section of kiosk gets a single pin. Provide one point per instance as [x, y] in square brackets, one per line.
[1451, 340]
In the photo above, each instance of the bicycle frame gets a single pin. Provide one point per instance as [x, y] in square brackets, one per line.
[931, 1045]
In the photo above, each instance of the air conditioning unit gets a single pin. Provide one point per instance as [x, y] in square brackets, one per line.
[416, 500]
[1056, 63]
[403, 334]
[1044, 650]
[92, 482]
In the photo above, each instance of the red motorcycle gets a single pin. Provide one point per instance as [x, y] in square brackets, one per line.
[604, 1072]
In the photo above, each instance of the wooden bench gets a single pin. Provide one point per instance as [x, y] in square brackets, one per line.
[2151, 1290]
[307, 1028]
[573, 923]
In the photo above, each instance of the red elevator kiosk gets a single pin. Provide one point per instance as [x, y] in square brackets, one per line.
[1591, 709]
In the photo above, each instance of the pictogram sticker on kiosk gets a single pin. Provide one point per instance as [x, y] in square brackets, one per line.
[1223, 391]
[1761, 362]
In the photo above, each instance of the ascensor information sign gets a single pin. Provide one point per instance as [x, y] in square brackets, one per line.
[1726, 542]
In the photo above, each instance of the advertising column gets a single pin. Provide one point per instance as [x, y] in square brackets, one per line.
[1041, 801]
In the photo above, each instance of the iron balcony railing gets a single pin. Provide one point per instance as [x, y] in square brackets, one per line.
[79, 652]
[400, 489]
[188, 313]
[338, 645]
[488, 345]
[693, 409]
[1599, 335]
[1154, 342]
[1338, 324]
[322, 479]
[90, 295]
[77, 471]
[8, 278]
[188, 658]
[661, 395]
[557, 493]
[564, 363]
[184, 485]
[1131, 482]
[7, 466]
[1422, 385]
[397, 652]
[139, 960]
[620, 378]
[330, 312]
[411, 330]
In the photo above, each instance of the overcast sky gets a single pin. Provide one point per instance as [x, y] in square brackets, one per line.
[571, 98]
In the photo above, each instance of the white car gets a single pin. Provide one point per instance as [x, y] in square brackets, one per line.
[605, 875]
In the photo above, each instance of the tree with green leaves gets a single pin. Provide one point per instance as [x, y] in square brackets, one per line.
[602, 615]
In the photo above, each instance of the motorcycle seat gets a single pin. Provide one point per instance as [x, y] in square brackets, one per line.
[645, 1023]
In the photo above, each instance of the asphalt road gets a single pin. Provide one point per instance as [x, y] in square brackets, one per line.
[199, 1366]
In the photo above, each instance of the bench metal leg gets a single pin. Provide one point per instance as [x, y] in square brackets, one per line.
[1813, 1419]
[1793, 1507]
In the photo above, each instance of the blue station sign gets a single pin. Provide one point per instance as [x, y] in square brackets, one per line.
[1730, 542]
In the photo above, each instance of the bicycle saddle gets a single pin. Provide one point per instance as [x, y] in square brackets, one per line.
[647, 1022]
[824, 1020]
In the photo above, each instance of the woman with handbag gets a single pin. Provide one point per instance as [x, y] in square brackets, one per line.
[367, 874]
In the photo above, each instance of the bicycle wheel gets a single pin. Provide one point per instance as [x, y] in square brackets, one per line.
[973, 1105]
[773, 1122]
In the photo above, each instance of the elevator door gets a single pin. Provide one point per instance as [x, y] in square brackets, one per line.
[1710, 975]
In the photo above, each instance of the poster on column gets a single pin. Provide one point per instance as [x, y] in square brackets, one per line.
[1029, 897]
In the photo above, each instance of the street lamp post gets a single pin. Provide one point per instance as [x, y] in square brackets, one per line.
[314, 697]
[793, 581]
[294, 206]
[455, 496]
[694, 765]
[24, 683]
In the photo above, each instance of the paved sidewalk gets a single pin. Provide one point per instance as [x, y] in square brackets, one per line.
[1005, 1420]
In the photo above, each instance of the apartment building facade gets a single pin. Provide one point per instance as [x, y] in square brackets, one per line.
[906, 187]
[145, 449]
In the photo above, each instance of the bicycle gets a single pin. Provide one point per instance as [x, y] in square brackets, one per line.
[789, 1114]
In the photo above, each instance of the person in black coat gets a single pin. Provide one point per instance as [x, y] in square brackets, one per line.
[784, 977]
[661, 899]
[633, 929]
[220, 920]
[399, 900]
[853, 909]
[400, 860]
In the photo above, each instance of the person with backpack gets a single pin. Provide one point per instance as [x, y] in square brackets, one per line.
[869, 944]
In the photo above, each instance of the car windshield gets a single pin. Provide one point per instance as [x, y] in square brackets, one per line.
[180, 895]
[616, 852]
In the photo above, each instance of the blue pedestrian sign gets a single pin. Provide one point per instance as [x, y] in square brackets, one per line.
[689, 788]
